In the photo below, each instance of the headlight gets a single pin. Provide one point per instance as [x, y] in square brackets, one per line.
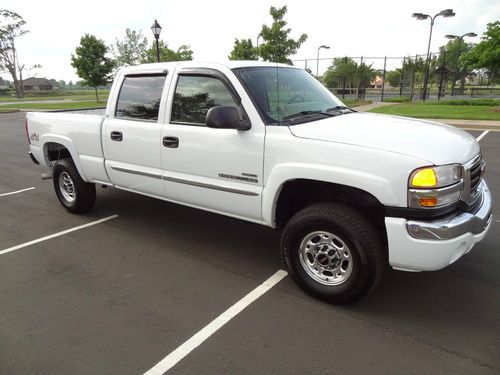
[432, 177]
[435, 186]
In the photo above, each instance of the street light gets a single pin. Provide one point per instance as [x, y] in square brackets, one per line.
[457, 53]
[421, 16]
[156, 29]
[258, 36]
[317, 59]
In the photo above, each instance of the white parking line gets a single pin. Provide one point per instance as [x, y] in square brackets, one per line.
[17, 191]
[178, 354]
[13, 248]
[481, 136]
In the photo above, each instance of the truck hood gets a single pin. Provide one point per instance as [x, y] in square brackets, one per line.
[434, 142]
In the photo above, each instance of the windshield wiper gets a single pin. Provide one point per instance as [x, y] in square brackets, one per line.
[340, 108]
[308, 114]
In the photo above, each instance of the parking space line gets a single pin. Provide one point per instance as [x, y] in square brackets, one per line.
[187, 347]
[17, 247]
[17, 191]
[481, 136]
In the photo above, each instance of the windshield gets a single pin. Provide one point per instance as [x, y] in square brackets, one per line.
[283, 93]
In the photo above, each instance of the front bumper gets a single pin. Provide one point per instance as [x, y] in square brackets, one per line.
[418, 245]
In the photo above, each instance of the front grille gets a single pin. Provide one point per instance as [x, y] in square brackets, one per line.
[472, 180]
[475, 177]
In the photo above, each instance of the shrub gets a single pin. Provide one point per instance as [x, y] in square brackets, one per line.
[398, 99]
[480, 102]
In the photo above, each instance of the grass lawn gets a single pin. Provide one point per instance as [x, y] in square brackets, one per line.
[56, 95]
[439, 111]
[7, 110]
[65, 105]
[355, 102]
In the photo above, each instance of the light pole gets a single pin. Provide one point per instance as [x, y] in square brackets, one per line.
[156, 29]
[457, 53]
[258, 37]
[421, 16]
[257, 47]
[317, 59]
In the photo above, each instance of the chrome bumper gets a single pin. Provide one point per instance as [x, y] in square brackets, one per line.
[453, 226]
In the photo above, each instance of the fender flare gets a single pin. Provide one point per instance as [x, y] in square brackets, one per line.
[66, 142]
[373, 184]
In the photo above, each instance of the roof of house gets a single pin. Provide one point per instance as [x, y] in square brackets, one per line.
[33, 81]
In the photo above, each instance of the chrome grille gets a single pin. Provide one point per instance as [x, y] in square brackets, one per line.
[475, 177]
[472, 179]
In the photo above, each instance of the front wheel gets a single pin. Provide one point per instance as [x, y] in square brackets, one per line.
[76, 195]
[333, 252]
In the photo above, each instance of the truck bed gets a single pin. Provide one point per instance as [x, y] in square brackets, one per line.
[79, 132]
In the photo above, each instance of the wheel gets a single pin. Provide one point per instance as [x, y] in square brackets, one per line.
[76, 195]
[333, 252]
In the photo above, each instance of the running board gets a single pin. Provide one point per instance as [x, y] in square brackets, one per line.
[47, 176]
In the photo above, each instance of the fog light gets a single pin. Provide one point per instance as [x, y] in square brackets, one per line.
[428, 202]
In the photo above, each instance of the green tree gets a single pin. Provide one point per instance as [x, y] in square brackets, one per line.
[277, 45]
[91, 63]
[393, 77]
[342, 69]
[486, 54]
[451, 64]
[243, 50]
[131, 49]
[12, 26]
[183, 53]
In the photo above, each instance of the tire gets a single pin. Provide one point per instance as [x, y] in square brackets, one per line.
[76, 195]
[333, 252]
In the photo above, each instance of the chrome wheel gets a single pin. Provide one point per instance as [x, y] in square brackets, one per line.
[326, 258]
[67, 187]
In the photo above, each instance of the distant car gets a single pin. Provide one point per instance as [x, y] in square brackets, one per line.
[269, 144]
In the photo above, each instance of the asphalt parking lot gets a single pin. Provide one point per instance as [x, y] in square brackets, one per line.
[118, 296]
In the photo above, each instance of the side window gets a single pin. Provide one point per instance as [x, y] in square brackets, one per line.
[140, 97]
[195, 95]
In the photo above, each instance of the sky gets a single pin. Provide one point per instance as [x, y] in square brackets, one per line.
[350, 28]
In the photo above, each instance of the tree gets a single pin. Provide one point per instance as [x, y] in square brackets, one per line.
[486, 54]
[12, 26]
[277, 45]
[91, 62]
[243, 50]
[131, 49]
[343, 70]
[184, 53]
[450, 64]
[393, 77]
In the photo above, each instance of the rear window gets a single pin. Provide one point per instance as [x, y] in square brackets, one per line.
[140, 97]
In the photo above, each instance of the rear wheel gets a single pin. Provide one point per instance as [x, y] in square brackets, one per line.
[76, 195]
[333, 252]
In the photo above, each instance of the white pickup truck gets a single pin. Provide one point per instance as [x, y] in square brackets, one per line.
[267, 143]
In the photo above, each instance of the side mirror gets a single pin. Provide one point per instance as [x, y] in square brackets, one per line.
[225, 117]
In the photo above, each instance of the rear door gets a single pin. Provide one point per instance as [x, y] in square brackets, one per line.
[132, 134]
[216, 169]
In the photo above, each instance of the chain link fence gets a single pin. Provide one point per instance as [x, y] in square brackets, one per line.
[385, 78]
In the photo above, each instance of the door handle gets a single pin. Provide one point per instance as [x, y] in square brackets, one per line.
[171, 142]
[116, 136]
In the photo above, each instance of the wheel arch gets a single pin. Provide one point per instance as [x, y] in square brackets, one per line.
[55, 147]
[297, 194]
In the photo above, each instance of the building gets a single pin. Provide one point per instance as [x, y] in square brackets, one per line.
[37, 84]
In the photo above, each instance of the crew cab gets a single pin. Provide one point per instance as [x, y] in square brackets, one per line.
[269, 144]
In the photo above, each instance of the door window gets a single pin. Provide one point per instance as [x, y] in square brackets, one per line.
[195, 95]
[140, 97]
